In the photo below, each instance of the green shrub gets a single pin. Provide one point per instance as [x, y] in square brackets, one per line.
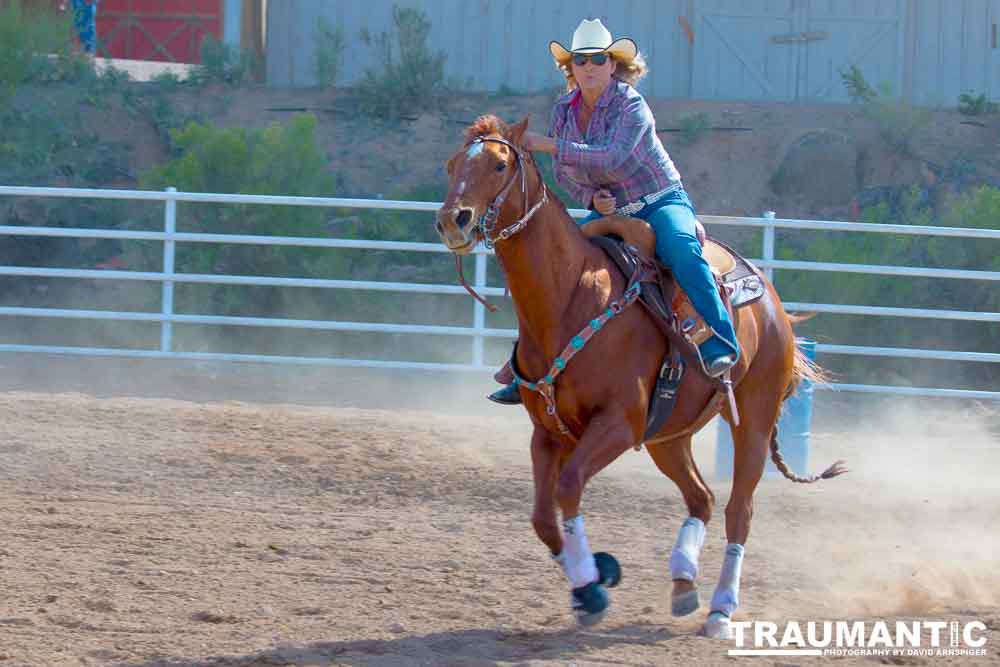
[981, 209]
[47, 144]
[277, 160]
[970, 104]
[858, 88]
[223, 63]
[693, 127]
[35, 46]
[101, 86]
[329, 52]
[411, 78]
[898, 123]
[166, 80]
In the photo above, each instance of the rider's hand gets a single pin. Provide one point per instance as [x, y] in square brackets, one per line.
[604, 202]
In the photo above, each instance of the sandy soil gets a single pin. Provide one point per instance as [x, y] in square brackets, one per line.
[146, 531]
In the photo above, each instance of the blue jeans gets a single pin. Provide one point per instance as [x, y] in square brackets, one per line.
[85, 21]
[673, 220]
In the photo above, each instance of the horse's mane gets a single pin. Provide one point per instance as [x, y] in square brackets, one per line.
[484, 126]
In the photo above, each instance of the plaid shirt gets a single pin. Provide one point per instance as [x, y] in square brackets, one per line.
[620, 150]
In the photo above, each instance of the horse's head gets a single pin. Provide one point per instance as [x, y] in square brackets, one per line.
[480, 176]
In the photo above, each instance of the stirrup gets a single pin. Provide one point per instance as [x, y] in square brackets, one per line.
[509, 395]
[717, 367]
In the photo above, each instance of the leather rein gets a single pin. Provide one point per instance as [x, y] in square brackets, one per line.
[488, 220]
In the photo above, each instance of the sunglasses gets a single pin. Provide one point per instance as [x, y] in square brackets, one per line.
[598, 59]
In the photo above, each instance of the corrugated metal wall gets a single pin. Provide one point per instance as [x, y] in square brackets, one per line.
[951, 50]
[490, 43]
[930, 51]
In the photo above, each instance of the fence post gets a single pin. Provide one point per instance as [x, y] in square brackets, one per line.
[793, 429]
[170, 227]
[478, 311]
[768, 252]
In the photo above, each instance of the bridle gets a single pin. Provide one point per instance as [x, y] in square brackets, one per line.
[487, 221]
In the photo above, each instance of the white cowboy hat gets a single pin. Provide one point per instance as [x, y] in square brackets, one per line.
[592, 37]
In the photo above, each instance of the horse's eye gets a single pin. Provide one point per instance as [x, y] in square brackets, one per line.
[501, 166]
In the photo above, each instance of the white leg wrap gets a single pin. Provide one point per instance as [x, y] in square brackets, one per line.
[576, 559]
[727, 594]
[684, 557]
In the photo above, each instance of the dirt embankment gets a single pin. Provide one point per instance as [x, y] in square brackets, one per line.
[754, 156]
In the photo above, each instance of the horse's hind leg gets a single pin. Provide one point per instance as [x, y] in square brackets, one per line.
[674, 460]
[751, 440]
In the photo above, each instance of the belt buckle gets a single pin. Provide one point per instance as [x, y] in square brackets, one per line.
[642, 202]
[629, 209]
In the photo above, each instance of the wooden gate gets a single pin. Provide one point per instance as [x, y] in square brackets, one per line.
[867, 34]
[734, 57]
[787, 50]
[164, 30]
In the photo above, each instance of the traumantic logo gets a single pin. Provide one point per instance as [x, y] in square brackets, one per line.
[860, 638]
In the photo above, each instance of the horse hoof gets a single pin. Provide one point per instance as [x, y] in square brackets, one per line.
[718, 626]
[685, 603]
[590, 603]
[608, 568]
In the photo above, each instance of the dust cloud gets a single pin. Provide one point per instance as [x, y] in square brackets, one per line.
[911, 530]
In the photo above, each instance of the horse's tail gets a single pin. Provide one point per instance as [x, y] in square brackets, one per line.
[804, 368]
[838, 468]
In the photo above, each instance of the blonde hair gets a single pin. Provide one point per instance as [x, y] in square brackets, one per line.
[629, 72]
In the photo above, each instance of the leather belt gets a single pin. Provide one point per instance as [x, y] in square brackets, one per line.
[643, 202]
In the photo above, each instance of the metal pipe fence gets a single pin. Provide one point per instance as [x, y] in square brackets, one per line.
[168, 278]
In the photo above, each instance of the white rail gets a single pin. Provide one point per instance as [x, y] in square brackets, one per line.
[478, 332]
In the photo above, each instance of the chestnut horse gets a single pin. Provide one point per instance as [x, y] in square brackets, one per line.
[596, 408]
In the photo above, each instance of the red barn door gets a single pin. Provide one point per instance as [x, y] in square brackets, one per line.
[165, 30]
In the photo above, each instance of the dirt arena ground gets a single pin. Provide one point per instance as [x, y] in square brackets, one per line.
[152, 516]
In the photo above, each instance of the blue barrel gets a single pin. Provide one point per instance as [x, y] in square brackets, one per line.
[793, 429]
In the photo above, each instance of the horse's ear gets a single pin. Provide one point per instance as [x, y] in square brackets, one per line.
[516, 132]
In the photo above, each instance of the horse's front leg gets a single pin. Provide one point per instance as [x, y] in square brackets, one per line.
[606, 437]
[546, 459]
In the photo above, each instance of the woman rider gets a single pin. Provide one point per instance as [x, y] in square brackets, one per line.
[607, 156]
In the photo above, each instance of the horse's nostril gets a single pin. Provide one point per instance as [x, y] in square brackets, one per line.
[438, 227]
[463, 217]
